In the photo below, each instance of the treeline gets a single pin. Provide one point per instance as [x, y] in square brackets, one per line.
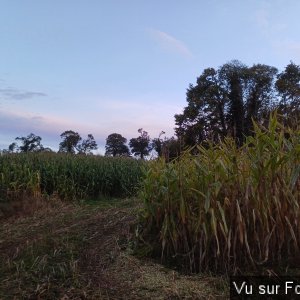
[116, 145]
[225, 102]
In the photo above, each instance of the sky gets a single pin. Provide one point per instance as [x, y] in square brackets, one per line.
[115, 66]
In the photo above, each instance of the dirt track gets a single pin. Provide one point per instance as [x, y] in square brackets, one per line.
[83, 252]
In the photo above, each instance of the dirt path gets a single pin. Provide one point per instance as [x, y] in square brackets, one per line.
[82, 252]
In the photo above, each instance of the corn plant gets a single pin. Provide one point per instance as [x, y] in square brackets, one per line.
[228, 208]
[69, 176]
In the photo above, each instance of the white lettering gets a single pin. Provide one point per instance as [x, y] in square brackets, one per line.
[287, 286]
[262, 289]
[248, 289]
[297, 289]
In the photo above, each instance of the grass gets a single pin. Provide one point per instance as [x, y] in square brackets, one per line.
[83, 251]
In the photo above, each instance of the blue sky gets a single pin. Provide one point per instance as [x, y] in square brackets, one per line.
[110, 66]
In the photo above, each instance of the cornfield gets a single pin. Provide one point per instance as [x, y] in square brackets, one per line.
[227, 209]
[68, 176]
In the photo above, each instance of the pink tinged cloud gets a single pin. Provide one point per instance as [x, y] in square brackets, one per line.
[170, 43]
[23, 123]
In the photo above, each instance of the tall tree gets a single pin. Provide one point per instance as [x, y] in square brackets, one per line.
[167, 148]
[116, 145]
[232, 78]
[225, 101]
[30, 143]
[260, 94]
[157, 144]
[288, 87]
[140, 146]
[70, 141]
[87, 146]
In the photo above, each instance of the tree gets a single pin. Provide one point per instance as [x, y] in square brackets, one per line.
[288, 88]
[171, 149]
[87, 145]
[167, 148]
[70, 141]
[225, 101]
[12, 148]
[260, 95]
[157, 144]
[116, 145]
[31, 143]
[140, 146]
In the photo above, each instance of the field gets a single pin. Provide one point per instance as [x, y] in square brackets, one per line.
[66, 251]
[84, 227]
[69, 177]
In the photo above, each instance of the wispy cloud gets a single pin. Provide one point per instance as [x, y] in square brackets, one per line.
[170, 43]
[16, 94]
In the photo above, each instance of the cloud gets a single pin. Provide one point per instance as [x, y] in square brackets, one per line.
[16, 94]
[170, 43]
[109, 116]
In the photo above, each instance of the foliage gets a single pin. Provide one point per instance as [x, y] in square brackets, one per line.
[87, 145]
[140, 146]
[71, 177]
[116, 145]
[168, 148]
[224, 102]
[288, 87]
[31, 143]
[12, 147]
[229, 208]
[70, 141]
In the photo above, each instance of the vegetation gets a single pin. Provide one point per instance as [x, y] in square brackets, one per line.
[140, 146]
[229, 203]
[225, 101]
[68, 176]
[229, 208]
[116, 145]
[167, 148]
[31, 143]
[88, 145]
[62, 251]
[71, 143]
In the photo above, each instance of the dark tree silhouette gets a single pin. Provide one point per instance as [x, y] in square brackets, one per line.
[88, 145]
[167, 148]
[158, 143]
[31, 143]
[224, 102]
[70, 141]
[288, 87]
[140, 146]
[116, 145]
[13, 147]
